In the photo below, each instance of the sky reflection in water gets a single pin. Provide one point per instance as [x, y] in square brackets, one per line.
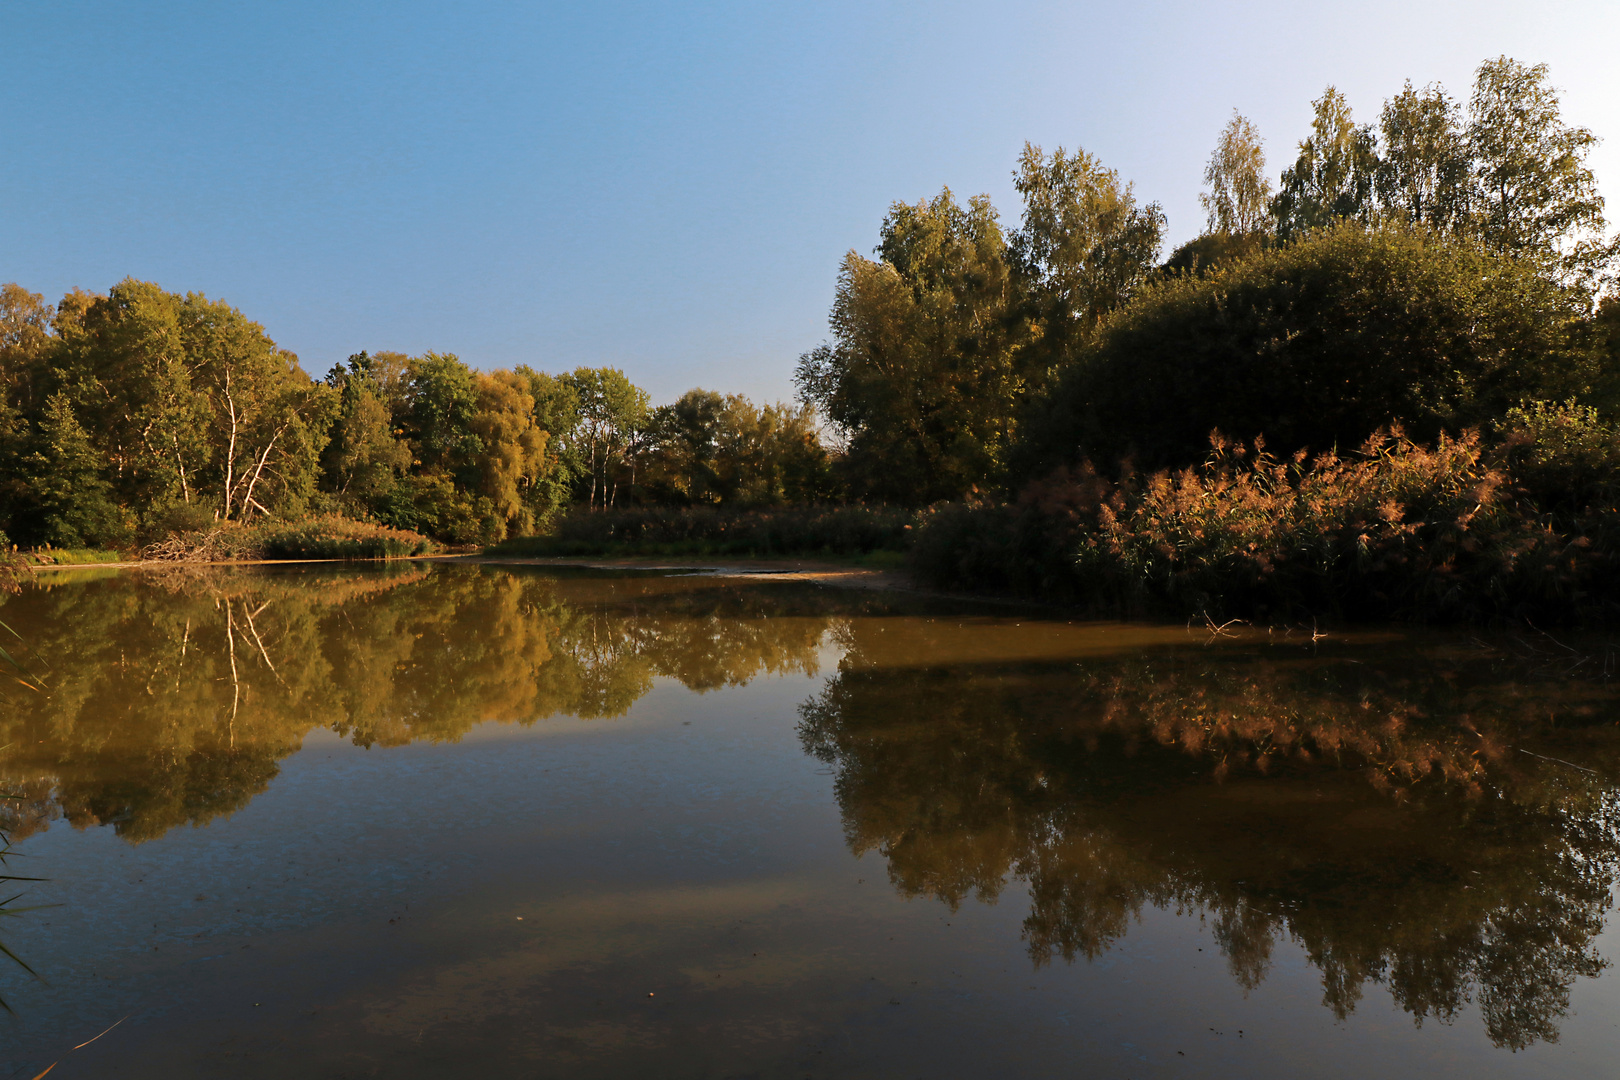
[1429, 814]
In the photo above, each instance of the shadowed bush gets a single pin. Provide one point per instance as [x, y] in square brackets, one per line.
[657, 530]
[1317, 344]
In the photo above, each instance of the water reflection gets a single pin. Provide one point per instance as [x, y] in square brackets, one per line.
[1394, 809]
[172, 698]
[1426, 813]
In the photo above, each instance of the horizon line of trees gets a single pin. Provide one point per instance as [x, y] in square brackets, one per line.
[141, 413]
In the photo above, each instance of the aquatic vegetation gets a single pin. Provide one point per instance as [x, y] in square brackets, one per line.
[327, 537]
[9, 908]
[1455, 531]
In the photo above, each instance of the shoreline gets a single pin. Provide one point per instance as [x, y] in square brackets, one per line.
[826, 572]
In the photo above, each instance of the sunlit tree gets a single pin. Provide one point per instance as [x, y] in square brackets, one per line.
[1332, 178]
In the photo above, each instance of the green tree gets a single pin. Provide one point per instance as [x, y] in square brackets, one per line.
[364, 458]
[613, 411]
[923, 377]
[66, 501]
[685, 443]
[122, 359]
[556, 412]
[1536, 196]
[707, 448]
[1333, 176]
[189, 402]
[1424, 174]
[1237, 205]
[25, 344]
[266, 420]
[441, 399]
[1238, 202]
[1084, 246]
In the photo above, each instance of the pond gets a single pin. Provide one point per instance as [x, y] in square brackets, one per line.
[436, 819]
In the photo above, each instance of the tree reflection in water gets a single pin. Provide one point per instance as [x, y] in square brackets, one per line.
[174, 697]
[1379, 806]
[1415, 812]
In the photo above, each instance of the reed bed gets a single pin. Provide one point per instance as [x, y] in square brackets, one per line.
[1522, 527]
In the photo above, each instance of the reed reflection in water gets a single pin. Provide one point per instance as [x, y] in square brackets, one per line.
[1425, 812]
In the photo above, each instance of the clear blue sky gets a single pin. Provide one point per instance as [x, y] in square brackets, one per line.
[665, 188]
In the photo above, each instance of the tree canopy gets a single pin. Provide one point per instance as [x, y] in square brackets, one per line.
[1316, 344]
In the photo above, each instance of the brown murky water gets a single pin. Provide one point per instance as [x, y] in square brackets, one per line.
[446, 820]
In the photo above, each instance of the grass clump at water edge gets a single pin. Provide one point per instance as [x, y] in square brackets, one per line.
[326, 537]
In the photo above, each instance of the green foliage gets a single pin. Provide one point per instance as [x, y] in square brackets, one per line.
[364, 458]
[432, 503]
[940, 342]
[441, 401]
[188, 400]
[708, 448]
[1424, 175]
[1332, 179]
[922, 377]
[1316, 344]
[1507, 172]
[25, 342]
[613, 415]
[556, 412]
[62, 497]
[147, 413]
[1206, 252]
[427, 443]
[55, 556]
[1084, 246]
[1536, 197]
[1562, 455]
[1238, 202]
[796, 530]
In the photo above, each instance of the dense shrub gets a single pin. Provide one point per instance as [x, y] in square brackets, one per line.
[1396, 530]
[338, 538]
[1316, 344]
[841, 530]
[328, 537]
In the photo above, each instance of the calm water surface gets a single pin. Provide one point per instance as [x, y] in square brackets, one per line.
[437, 820]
